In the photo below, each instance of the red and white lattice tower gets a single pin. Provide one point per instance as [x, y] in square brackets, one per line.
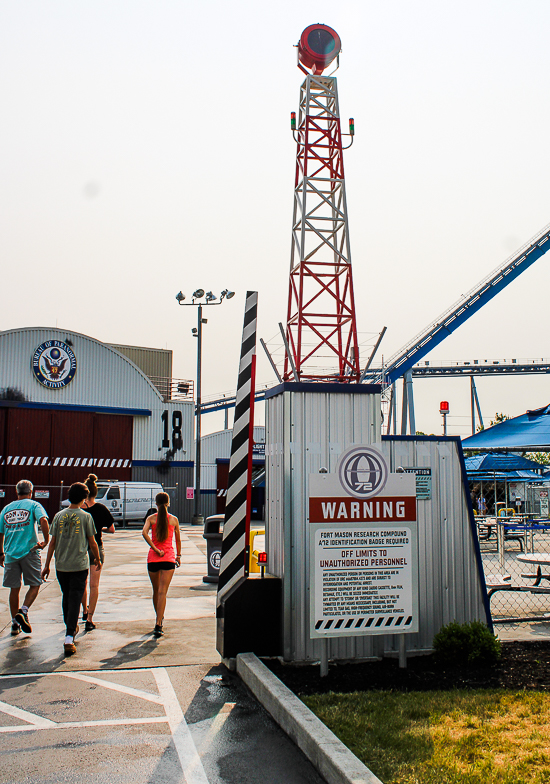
[321, 330]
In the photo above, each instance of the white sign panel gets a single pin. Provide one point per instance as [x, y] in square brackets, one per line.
[543, 495]
[363, 549]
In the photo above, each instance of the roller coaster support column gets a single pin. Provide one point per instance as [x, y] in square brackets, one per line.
[407, 410]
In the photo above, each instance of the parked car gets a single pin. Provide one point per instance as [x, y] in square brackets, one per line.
[127, 501]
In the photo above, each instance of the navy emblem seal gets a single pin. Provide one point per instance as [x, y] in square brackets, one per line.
[54, 364]
[363, 472]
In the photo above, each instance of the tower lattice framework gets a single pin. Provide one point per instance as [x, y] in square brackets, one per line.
[321, 328]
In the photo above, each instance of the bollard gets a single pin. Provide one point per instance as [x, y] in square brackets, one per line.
[213, 536]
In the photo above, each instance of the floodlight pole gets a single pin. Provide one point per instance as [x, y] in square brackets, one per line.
[197, 516]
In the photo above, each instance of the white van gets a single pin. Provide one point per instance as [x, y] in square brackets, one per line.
[127, 501]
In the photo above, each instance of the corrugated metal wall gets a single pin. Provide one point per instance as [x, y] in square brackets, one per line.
[309, 431]
[213, 447]
[306, 431]
[450, 575]
[175, 481]
[170, 419]
[153, 361]
[218, 445]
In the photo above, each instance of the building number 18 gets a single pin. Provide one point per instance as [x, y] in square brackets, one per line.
[177, 437]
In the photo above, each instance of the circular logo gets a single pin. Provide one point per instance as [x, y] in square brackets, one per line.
[215, 558]
[363, 472]
[54, 364]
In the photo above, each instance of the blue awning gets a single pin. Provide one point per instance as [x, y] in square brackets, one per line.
[530, 431]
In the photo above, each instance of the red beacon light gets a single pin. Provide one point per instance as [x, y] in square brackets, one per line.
[444, 407]
[319, 45]
[262, 558]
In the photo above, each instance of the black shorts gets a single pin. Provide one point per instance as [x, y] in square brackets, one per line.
[160, 566]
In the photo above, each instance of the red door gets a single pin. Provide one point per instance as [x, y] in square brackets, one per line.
[55, 447]
[113, 439]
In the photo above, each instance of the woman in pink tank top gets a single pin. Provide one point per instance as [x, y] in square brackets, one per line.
[159, 532]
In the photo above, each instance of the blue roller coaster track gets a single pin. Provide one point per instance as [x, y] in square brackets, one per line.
[457, 314]
[430, 337]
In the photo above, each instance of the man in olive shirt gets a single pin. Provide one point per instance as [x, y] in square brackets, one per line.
[72, 532]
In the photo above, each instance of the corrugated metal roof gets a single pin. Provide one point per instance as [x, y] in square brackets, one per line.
[103, 376]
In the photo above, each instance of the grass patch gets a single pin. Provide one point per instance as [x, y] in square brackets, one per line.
[452, 737]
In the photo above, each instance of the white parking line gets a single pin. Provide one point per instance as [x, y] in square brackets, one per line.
[77, 724]
[190, 761]
[187, 752]
[144, 695]
[37, 722]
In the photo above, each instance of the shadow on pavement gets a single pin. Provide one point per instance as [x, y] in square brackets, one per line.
[132, 652]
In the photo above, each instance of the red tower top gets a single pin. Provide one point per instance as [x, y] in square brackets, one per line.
[319, 45]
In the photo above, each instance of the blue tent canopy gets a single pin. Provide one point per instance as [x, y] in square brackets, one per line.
[528, 431]
[500, 461]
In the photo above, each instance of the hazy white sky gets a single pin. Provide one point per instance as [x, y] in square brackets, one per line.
[146, 149]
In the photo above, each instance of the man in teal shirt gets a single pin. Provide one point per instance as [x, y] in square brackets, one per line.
[20, 551]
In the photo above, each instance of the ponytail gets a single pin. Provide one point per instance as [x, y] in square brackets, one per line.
[90, 483]
[161, 529]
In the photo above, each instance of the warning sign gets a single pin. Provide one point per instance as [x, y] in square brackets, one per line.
[423, 482]
[363, 556]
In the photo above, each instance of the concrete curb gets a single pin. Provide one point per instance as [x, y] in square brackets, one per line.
[334, 761]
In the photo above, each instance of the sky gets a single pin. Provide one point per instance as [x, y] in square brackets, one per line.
[146, 148]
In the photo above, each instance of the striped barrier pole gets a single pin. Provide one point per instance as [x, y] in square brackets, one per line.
[234, 562]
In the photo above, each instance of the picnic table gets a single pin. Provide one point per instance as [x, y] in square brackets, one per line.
[539, 560]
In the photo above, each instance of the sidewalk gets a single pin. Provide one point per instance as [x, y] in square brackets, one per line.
[125, 617]
[127, 707]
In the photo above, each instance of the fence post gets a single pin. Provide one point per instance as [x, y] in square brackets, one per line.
[500, 545]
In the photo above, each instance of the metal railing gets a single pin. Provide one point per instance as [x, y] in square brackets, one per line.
[174, 388]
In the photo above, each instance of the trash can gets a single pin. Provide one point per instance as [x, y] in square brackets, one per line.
[213, 532]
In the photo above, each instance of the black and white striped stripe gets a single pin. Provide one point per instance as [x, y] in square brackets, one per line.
[233, 565]
[65, 462]
[356, 623]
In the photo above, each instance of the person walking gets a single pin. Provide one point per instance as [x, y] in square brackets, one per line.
[20, 552]
[161, 559]
[104, 523]
[72, 533]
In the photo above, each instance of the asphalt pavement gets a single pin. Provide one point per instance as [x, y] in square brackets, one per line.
[128, 707]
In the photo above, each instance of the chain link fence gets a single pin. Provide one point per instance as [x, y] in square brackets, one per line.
[516, 560]
[119, 498]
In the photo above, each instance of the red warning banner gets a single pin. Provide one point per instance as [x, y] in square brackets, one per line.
[347, 510]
